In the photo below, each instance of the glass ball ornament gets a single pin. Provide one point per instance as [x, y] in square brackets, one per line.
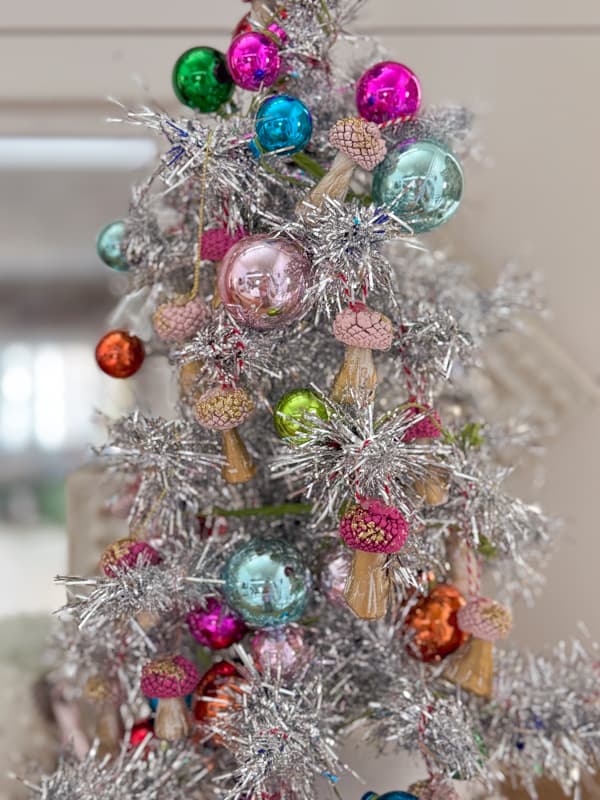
[109, 246]
[267, 583]
[296, 413]
[420, 181]
[201, 79]
[254, 61]
[214, 626]
[280, 650]
[388, 91]
[389, 796]
[120, 354]
[283, 125]
[433, 619]
[263, 281]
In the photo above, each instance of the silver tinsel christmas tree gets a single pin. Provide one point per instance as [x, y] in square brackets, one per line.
[307, 537]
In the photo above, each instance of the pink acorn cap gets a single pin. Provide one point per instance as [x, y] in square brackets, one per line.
[430, 427]
[217, 241]
[179, 321]
[374, 527]
[224, 409]
[127, 554]
[485, 619]
[359, 140]
[359, 326]
[169, 676]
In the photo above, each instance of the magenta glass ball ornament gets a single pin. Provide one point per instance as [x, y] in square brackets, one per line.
[279, 650]
[214, 626]
[263, 281]
[253, 60]
[388, 91]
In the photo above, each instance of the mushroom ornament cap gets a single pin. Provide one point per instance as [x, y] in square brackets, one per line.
[169, 676]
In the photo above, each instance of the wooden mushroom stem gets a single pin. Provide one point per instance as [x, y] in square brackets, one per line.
[147, 619]
[357, 379]
[473, 668]
[335, 183]
[433, 488]
[109, 729]
[172, 719]
[262, 12]
[368, 586]
[238, 467]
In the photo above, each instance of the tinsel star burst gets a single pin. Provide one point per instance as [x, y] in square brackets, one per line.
[279, 736]
[352, 455]
[146, 773]
[171, 456]
[347, 245]
[224, 351]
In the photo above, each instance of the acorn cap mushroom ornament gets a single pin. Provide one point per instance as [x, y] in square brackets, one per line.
[487, 621]
[362, 330]
[223, 410]
[170, 679]
[359, 143]
[372, 529]
[128, 554]
[178, 320]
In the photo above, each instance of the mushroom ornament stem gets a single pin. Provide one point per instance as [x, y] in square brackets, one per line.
[359, 143]
[434, 487]
[239, 467]
[109, 726]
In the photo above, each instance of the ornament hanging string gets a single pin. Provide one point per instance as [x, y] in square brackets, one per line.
[198, 263]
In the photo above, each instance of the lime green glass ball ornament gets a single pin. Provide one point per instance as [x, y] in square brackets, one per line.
[421, 182]
[296, 412]
[109, 246]
[201, 79]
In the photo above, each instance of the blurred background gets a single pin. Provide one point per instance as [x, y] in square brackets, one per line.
[529, 70]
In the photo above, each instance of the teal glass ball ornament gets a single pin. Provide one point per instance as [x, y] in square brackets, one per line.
[296, 412]
[421, 182]
[389, 796]
[109, 246]
[201, 79]
[283, 126]
[267, 583]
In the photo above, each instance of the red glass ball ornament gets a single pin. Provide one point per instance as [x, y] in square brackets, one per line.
[215, 695]
[434, 622]
[120, 354]
[140, 731]
[243, 26]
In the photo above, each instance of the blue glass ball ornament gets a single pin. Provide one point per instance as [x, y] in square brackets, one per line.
[420, 181]
[109, 246]
[283, 125]
[267, 583]
[389, 796]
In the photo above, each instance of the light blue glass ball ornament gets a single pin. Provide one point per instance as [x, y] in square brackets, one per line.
[109, 244]
[389, 796]
[283, 123]
[267, 583]
[421, 182]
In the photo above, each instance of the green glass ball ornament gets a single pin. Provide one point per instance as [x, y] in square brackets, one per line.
[109, 246]
[201, 79]
[267, 583]
[296, 412]
[420, 181]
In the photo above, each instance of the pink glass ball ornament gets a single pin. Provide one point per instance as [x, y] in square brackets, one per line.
[254, 61]
[214, 626]
[263, 281]
[279, 650]
[388, 91]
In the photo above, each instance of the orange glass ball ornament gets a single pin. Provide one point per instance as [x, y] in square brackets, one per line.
[433, 620]
[120, 354]
[216, 694]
